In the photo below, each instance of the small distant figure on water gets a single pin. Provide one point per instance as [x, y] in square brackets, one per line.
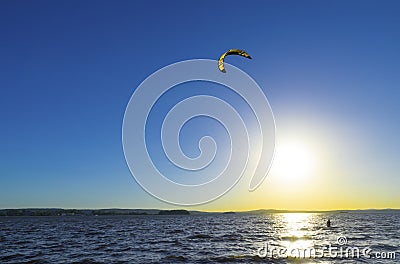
[328, 223]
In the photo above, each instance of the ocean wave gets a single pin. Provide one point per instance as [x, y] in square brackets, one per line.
[200, 236]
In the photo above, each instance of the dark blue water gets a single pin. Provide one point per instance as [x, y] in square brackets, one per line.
[198, 238]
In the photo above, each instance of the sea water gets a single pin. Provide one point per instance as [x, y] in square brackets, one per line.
[210, 238]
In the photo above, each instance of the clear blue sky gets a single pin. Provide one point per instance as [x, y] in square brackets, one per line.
[68, 69]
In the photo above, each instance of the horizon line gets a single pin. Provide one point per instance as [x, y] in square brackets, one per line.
[205, 211]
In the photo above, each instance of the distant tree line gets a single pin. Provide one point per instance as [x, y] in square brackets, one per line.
[39, 212]
[173, 212]
[65, 212]
[87, 212]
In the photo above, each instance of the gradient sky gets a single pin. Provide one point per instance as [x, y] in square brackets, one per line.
[330, 71]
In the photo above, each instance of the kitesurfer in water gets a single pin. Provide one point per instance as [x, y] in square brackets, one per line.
[328, 223]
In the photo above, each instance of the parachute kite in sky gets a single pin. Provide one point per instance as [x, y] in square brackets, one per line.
[239, 52]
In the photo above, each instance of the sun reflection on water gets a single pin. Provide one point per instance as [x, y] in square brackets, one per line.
[296, 230]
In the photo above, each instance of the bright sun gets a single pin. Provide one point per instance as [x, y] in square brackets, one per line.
[293, 162]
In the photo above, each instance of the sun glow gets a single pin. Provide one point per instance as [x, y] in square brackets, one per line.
[294, 162]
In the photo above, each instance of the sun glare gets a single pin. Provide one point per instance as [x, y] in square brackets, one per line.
[293, 162]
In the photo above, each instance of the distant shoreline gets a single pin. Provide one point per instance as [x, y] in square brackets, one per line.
[132, 212]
